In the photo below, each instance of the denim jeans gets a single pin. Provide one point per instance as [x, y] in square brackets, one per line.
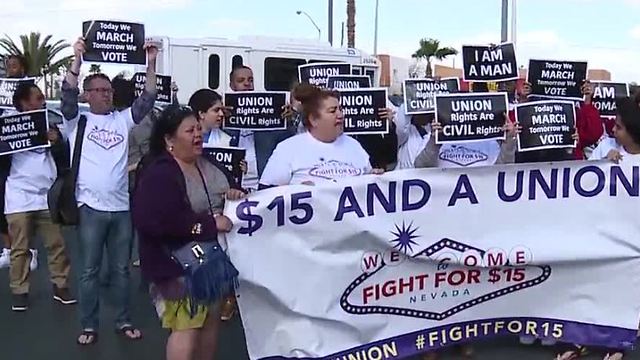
[95, 230]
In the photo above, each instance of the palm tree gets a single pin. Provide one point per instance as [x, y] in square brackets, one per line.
[94, 69]
[41, 54]
[430, 49]
[37, 53]
[351, 23]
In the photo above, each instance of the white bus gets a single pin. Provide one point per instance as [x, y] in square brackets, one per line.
[207, 62]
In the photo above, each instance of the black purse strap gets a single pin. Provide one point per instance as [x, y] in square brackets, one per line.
[204, 183]
[77, 148]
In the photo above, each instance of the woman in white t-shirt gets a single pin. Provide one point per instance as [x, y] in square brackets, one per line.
[625, 142]
[323, 153]
[468, 154]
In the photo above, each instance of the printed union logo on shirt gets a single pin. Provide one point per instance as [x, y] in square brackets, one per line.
[462, 156]
[334, 169]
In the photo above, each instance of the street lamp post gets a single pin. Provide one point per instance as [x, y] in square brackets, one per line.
[300, 12]
[330, 22]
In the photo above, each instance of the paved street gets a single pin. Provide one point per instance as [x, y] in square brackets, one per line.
[48, 330]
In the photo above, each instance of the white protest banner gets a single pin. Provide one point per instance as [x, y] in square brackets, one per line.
[489, 63]
[557, 78]
[114, 42]
[7, 87]
[605, 94]
[419, 94]
[24, 131]
[390, 266]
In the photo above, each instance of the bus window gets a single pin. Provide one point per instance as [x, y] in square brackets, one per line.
[236, 61]
[280, 73]
[214, 71]
[356, 70]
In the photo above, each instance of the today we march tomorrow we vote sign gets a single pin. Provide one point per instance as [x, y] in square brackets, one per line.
[115, 42]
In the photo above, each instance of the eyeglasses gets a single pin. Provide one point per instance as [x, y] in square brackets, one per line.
[101, 90]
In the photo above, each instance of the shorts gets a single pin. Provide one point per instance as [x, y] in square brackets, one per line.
[176, 315]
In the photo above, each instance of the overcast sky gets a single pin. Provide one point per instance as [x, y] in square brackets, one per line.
[605, 33]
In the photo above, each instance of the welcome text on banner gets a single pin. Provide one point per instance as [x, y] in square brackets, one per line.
[390, 266]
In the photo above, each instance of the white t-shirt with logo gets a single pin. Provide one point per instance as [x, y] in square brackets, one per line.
[32, 174]
[608, 144]
[304, 158]
[103, 182]
[482, 153]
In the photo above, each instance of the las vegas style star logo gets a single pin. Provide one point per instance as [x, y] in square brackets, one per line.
[106, 139]
[439, 281]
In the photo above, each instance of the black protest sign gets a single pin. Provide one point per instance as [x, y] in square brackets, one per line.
[348, 82]
[361, 109]
[605, 94]
[163, 86]
[471, 117]
[489, 63]
[546, 124]
[7, 88]
[114, 42]
[318, 73]
[24, 131]
[419, 94]
[229, 157]
[557, 79]
[255, 110]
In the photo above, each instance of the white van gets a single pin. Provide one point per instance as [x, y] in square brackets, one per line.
[207, 62]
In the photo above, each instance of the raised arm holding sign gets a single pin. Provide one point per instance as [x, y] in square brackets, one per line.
[69, 100]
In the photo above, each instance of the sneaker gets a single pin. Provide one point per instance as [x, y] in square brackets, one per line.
[34, 260]
[5, 258]
[20, 302]
[63, 296]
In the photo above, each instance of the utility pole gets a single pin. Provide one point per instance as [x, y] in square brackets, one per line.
[505, 20]
[375, 34]
[330, 22]
[513, 22]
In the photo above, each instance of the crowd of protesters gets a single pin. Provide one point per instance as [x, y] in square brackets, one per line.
[142, 179]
